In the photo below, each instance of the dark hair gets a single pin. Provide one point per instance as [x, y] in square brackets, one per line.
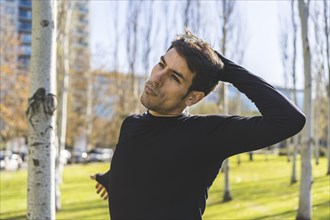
[201, 59]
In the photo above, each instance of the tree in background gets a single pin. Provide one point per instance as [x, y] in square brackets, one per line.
[108, 115]
[326, 17]
[226, 17]
[294, 89]
[120, 108]
[319, 116]
[165, 11]
[132, 24]
[305, 201]
[41, 113]
[14, 88]
[192, 15]
[63, 69]
[285, 58]
[78, 103]
[148, 25]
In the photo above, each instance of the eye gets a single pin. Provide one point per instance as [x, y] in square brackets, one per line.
[175, 78]
[161, 65]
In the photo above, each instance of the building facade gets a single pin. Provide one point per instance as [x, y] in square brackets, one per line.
[18, 14]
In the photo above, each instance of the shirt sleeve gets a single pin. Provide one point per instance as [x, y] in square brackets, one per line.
[104, 179]
[280, 118]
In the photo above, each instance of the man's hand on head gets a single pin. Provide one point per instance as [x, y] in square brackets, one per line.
[100, 189]
[225, 61]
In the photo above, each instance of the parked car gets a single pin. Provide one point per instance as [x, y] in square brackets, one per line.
[100, 155]
[78, 157]
[10, 161]
[2, 160]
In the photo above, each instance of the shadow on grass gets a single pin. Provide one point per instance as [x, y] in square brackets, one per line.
[88, 210]
[221, 202]
[290, 212]
[15, 212]
[249, 186]
[77, 207]
[247, 193]
[18, 217]
[98, 215]
[323, 204]
[321, 178]
[276, 216]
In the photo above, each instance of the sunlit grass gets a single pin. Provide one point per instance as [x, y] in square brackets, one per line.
[261, 190]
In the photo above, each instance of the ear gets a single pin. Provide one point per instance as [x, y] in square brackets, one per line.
[194, 97]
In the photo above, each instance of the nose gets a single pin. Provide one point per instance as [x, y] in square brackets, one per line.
[158, 77]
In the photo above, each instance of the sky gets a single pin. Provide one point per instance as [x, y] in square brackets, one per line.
[262, 26]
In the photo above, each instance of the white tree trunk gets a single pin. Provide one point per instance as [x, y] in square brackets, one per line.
[315, 127]
[40, 113]
[227, 13]
[63, 105]
[295, 138]
[326, 31]
[294, 160]
[227, 194]
[89, 109]
[288, 150]
[238, 159]
[305, 199]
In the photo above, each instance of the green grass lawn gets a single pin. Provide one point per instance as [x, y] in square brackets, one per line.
[261, 190]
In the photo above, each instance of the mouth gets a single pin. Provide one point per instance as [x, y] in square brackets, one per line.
[149, 90]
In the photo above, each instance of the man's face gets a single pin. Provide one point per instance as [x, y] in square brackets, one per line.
[168, 84]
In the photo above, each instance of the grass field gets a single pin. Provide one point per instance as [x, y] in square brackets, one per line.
[261, 190]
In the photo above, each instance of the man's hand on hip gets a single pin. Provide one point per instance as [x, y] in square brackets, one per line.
[100, 189]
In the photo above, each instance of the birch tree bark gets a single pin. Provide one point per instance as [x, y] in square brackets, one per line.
[40, 113]
[227, 12]
[319, 78]
[64, 68]
[285, 58]
[326, 31]
[305, 199]
[294, 84]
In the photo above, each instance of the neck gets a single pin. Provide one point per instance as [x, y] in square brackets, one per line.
[164, 115]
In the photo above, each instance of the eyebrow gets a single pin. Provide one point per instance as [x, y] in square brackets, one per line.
[180, 75]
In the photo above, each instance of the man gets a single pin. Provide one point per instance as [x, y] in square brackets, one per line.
[166, 160]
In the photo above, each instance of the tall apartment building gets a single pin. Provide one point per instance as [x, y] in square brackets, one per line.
[17, 16]
[80, 32]
[18, 13]
[24, 28]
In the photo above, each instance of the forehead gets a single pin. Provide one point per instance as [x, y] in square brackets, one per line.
[178, 63]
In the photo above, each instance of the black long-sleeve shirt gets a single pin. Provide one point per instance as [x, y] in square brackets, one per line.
[163, 166]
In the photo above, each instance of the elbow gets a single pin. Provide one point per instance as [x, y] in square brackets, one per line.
[298, 122]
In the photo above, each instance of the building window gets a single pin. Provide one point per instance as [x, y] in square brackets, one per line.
[25, 14]
[25, 50]
[25, 26]
[24, 61]
[27, 3]
[26, 38]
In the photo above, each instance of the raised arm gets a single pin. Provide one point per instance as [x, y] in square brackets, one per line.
[280, 118]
